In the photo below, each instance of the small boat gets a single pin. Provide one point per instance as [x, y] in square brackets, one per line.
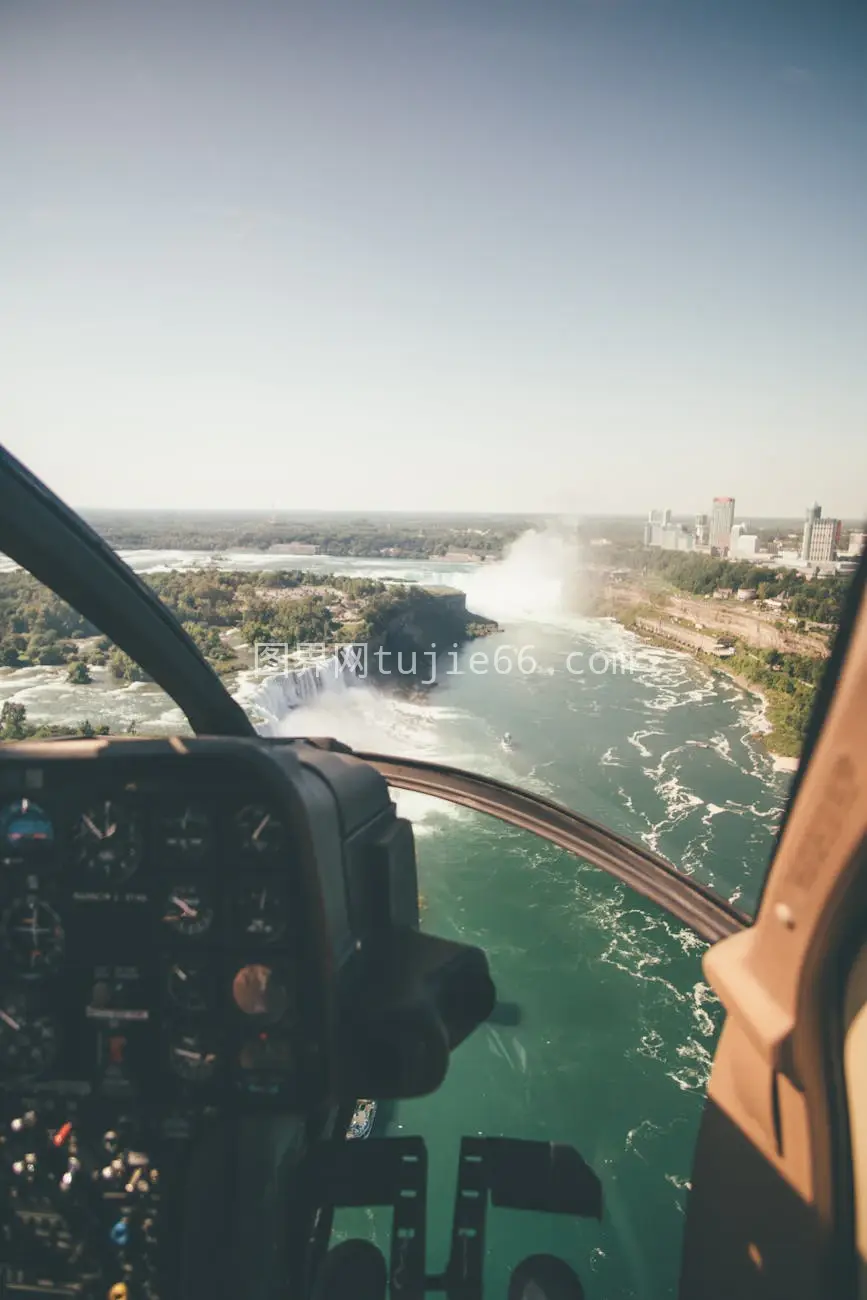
[507, 742]
[363, 1119]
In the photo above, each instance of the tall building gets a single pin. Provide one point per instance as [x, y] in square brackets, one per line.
[654, 519]
[821, 537]
[660, 531]
[824, 540]
[721, 520]
[735, 536]
[701, 526]
[856, 543]
[812, 513]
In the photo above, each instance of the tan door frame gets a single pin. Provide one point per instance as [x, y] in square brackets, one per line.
[776, 1081]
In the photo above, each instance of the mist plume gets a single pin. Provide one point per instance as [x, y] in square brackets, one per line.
[540, 576]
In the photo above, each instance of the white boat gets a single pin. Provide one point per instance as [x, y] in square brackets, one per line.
[507, 742]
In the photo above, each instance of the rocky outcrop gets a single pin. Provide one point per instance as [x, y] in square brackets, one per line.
[422, 623]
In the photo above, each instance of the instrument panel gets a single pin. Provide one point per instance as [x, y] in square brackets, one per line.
[153, 963]
[145, 935]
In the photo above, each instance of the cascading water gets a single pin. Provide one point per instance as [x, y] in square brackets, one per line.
[297, 688]
[539, 580]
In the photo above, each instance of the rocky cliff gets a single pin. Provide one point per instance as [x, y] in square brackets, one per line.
[416, 623]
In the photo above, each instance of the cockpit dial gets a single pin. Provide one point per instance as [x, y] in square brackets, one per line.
[28, 1042]
[34, 936]
[185, 833]
[261, 834]
[187, 985]
[109, 840]
[192, 1056]
[261, 993]
[266, 1051]
[188, 910]
[262, 911]
[26, 833]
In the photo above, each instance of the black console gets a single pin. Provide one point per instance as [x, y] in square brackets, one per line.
[175, 921]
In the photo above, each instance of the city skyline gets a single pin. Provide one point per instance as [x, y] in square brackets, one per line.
[682, 516]
[717, 534]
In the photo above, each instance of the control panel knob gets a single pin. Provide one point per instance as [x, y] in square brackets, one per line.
[42, 1162]
[77, 1224]
[21, 1122]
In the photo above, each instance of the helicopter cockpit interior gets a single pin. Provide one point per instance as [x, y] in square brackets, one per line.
[211, 949]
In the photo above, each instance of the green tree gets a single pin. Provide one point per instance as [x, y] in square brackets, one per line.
[88, 730]
[13, 721]
[79, 674]
[124, 668]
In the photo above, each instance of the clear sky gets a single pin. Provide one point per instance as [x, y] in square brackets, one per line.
[567, 255]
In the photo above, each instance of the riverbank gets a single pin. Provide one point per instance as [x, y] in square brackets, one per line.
[775, 739]
[782, 762]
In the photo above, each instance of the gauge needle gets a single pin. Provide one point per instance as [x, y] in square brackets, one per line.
[8, 1020]
[262, 900]
[181, 974]
[185, 907]
[262, 824]
[94, 830]
[205, 1058]
[30, 927]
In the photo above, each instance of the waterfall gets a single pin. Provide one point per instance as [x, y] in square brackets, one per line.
[278, 693]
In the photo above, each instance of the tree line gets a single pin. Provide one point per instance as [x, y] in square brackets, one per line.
[37, 628]
[362, 538]
[816, 600]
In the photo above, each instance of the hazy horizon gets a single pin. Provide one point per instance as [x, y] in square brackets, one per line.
[292, 515]
[449, 256]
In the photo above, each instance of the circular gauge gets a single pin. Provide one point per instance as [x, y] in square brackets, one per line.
[259, 992]
[187, 985]
[26, 832]
[192, 1057]
[34, 936]
[28, 1043]
[261, 835]
[266, 1052]
[186, 834]
[109, 841]
[188, 910]
[262, 912]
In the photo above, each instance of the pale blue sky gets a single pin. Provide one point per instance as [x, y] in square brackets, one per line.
[568, 255]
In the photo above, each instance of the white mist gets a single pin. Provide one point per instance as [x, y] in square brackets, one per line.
[539, 577]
